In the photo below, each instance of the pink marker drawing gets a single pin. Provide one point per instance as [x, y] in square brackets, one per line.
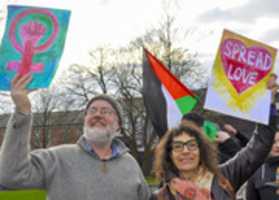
[30, 34]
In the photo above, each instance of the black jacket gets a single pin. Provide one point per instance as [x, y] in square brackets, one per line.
[238, 169]
[231, 146]
[257, 187]
[228, 149]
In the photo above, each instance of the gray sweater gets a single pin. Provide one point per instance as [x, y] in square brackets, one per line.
[67, 171]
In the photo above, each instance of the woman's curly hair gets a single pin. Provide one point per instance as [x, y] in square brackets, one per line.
[164, 167]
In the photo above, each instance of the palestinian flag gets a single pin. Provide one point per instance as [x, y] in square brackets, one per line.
[166, 99]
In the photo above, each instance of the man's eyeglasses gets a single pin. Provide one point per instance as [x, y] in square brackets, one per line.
[103, 111]
[178, 146]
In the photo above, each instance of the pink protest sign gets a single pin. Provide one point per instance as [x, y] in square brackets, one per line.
[244, 66]
[240, 73]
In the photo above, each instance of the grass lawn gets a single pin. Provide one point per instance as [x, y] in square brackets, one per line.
[152, 181]
[41, 194]
[23, 195]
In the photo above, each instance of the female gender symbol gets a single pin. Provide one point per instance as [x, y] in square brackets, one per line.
[30, 33]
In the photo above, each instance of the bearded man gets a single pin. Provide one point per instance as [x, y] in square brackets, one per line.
[97, 167]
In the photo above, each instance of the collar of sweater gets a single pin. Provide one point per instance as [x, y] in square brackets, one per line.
[117, 146]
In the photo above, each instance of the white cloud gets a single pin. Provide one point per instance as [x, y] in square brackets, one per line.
[271, 35]
[249, 12]
[96, 22]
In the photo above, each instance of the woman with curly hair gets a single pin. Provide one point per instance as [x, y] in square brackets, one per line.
[186, 163]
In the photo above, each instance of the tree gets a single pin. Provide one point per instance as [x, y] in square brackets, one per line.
[83, 82]
[166, 41]
[47, 105]
[5, 102]
[138, 132]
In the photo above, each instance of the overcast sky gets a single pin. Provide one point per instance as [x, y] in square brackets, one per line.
[116, 22]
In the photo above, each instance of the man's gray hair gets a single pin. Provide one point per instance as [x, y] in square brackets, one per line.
[115, 105]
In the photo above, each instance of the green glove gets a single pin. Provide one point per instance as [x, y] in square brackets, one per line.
[210, 129]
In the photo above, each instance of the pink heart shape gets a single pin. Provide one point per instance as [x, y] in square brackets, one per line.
[244, 66]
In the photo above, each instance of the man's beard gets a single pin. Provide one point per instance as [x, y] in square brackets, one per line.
[101, 137]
